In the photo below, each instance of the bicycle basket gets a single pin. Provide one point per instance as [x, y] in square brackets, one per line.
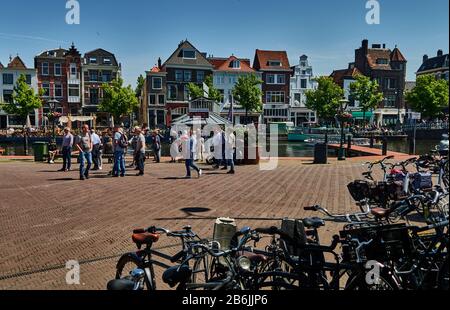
[389, 242]
[359, 189]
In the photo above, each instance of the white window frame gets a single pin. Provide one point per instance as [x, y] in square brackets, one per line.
[54, 90]
[153, 82]
[42, 87]
[60, 69]
[281, 94]
[48, 68]
[271, 63]
[236, 64]
[189, 50]
[73, 67]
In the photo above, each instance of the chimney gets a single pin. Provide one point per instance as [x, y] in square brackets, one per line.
[159, 63]
[425, 58]
[365, 46]
[440, 53]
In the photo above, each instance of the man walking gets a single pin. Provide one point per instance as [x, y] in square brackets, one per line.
[140, 150]
[218, 148]
[84, 146]
[230, 140]
[96, 150]
[188, 152]
[157, 146]
[67, 150]
[120, 144]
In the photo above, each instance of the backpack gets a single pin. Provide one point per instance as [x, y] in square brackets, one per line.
[123, 141]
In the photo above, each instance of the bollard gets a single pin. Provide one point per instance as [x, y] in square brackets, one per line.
[371, 142]
[385, 145]
[349, 142]
[411, 146]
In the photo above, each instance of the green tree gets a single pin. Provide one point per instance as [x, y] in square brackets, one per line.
[140, 85]
[25, 101]
[429, 97]
[325, 100]
[117, 99]
[196, 91]
[248, 93]
[366, 92]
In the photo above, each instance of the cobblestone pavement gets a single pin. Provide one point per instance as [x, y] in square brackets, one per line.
[48, 218]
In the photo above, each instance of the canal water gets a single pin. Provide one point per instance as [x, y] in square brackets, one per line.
[285, 148]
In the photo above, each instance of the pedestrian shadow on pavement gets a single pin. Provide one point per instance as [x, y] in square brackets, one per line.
[173, 178]
[62, 179]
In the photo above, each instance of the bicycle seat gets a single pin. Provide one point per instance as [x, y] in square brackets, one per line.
[313, 222]
[380, 212]
[120, 285]
[145, 238]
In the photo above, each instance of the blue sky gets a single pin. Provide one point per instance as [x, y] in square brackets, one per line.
[139, 31]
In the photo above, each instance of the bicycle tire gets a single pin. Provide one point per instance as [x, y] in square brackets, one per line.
[357, 281]
[133, 260]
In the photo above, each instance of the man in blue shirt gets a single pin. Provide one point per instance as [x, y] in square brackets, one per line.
[120, 146]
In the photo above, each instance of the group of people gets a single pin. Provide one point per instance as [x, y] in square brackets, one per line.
[90, 146]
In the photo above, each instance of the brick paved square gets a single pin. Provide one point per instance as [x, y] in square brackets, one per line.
[49, 217]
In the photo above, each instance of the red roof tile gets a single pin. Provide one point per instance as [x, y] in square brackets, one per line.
[396, 55]
[223, 64]
[17, 63]
[262, 59]
[155, 70]
[339, 75]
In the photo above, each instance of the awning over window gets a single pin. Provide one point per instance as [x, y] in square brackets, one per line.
[360, 115]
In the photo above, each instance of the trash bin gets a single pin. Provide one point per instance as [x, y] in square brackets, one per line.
[321, 153]
[40, 150]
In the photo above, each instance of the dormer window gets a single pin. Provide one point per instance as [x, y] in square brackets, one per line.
[235, 64]
[188, 54]
[93, 60]
[382, 61]
[107, 61]
[274, 63]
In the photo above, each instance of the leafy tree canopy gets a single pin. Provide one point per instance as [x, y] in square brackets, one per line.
[429, 97]
[117, 99]
[325, 100]
[25, 100]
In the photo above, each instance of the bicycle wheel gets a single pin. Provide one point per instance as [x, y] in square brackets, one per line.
[278, 275]
[201, 270]
[444, 276]
[385, 282]
[127, 264]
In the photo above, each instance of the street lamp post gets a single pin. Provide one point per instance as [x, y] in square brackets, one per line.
[343, 106]
[52, 105]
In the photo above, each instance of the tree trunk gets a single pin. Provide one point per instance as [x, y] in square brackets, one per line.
[364, 118]
[246, 116]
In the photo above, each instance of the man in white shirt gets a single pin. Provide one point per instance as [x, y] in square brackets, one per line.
[218, 149]
[140, 150]
[96, 150]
